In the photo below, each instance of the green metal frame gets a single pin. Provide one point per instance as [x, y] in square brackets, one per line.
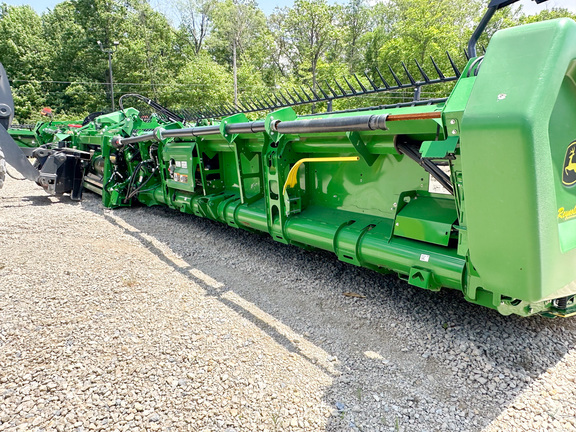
[506, 237]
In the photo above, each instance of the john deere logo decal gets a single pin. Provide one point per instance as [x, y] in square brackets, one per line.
[569, 174]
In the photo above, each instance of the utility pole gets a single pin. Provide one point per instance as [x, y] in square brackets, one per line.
[110, 51]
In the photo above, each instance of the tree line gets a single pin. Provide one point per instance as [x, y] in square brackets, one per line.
[222, 51]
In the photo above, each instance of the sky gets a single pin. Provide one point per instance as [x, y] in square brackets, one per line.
[530, 7]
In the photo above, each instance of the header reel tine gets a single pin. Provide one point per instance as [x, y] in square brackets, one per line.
[313, 92]
[350, 86]
[306, 94]
[261, 105]
[231, 108]
[360, 83]
[426, 79]
[324, 94]
[340, 87]
[331, 89]
[372, 83]
[269, 101]
[279, 101]
[438, 71]
[290, 96]
[386, 85]
[395, 76]
[299, 96]
[408, 74]
[253, 105]
[272, 104]
[454, 67]
[244, 106]
[248, 103]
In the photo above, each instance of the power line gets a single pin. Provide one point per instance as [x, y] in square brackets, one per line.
[122, 83]
[106, 84]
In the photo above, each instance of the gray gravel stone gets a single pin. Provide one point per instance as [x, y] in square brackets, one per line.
[145, 318]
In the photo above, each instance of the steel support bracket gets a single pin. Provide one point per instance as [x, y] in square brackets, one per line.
[236, 118]
[361, 147]
[439, 149]
[284, 114]
[422, 278]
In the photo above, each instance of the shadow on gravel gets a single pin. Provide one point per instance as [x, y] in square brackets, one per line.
[37, 201]
[402, 359]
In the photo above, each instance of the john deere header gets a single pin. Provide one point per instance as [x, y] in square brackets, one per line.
[475, 192]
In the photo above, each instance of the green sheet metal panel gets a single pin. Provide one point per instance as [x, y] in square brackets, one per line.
[181, 167]
[516, 129]
[426, 219]
[438, 149]
[564, 159]
[357, 187]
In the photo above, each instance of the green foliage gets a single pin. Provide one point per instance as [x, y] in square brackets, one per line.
[356, 21]
[420, 29]
[195, 21]
[24, 52]
[236, 23]
[147, 56]
[28, 100]
[547, 14]
[221, 47]
[201, 82]
[308, 30]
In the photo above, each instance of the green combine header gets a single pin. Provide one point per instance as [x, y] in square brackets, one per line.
[475, 192]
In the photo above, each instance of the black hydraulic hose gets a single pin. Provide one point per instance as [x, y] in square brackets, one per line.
[171, 116]
[114, 174]
[475, 64]
[131, 193]
[439, 175]
[138, 189]
[428, 165]
[479, 30]
[14, 177]
[132, 178]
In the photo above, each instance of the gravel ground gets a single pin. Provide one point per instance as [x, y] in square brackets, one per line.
[147, 319]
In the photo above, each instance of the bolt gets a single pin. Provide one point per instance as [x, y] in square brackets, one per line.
[454, 131]
[452, 121]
